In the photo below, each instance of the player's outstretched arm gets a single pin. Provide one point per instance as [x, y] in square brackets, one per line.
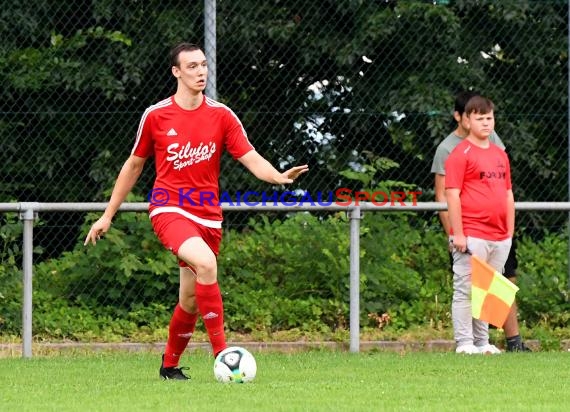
[127, 178]
[263, 170]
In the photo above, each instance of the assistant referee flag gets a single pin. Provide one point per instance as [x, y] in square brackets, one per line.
[492, 294]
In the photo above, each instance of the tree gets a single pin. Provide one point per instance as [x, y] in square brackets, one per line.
[318, 82]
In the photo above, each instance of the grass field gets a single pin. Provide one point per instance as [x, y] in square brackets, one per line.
[309, 381]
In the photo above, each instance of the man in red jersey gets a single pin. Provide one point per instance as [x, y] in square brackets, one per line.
[187, 133]
[482, 217]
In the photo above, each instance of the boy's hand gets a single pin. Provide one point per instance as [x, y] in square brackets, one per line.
[460, 243]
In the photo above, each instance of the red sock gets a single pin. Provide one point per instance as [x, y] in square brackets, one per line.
[209, 301]
[180, 331]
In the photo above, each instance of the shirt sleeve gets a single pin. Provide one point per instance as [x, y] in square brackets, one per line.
[144, 146]
[236, 142]
[455, 169]
[438, 164]
[494, 138]
[508, 173]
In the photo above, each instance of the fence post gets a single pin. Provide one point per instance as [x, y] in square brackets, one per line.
[355, 217]
[27, 215]
[568, 143]
[210, 47]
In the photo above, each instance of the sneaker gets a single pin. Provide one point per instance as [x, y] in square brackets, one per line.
[518, 348]
[172, 373]
[489, 349]
[468, 350]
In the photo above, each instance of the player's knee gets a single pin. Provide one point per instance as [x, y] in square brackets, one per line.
[207, 270]
[207, 266]
[200, 258]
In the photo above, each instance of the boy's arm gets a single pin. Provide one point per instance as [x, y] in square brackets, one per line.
[454, 208]
[510, 213]
[438, 169]
[440, 197]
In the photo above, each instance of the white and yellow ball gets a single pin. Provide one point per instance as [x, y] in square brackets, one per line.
[235, 365]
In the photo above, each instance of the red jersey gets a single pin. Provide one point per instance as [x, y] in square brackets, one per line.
[484, 177]
[187, 146]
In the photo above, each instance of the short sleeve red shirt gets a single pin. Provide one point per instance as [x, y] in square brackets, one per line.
[483, 176]
[187, 146]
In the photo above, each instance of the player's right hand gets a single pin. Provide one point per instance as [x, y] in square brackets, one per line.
[99, 228]
[460, 243]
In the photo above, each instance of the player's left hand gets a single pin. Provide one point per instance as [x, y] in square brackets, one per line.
[290, 175]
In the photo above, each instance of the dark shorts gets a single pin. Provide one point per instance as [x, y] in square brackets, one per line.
[511, 264]
[174, 229]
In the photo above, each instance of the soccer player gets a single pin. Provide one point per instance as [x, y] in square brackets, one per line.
[187, 133]
[511, 327]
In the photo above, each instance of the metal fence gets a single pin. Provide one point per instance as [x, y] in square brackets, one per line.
[340, 85]
[28, 213]
[361, 90]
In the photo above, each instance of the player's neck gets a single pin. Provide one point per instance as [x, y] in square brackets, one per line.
[461, 132]
[188, 101]
[482, 142]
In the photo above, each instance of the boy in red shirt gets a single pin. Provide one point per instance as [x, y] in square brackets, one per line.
[482, 217]
[186, 134]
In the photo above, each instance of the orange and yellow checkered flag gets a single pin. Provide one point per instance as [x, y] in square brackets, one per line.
[492, 294]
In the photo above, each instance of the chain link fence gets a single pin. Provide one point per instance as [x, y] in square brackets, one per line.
[361, 90]
[331, 84]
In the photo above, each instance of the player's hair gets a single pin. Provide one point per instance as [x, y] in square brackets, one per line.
[479, 104]
[462, 98]
[179, 48]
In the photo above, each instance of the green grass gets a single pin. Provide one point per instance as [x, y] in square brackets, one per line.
[309, 381]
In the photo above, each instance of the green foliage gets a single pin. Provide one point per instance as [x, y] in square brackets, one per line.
[58, 318]
[10, 274]
[411, 279]
[298, 273]
[125, 283]
[295, 269]
[76, 77]
[394, 258]
[371, 174]
[279, 275]
[129, 265]
[60, 65]
[544, 295]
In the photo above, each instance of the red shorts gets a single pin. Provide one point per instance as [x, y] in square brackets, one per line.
[174, 229]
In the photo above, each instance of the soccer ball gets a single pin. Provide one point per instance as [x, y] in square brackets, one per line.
[235, 365]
